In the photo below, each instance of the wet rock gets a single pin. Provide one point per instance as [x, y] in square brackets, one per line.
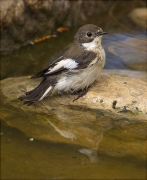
[139, 16]
[114, 109]
[127, 92]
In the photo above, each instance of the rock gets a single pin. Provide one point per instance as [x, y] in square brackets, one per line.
[48, 15]
[132, 50]
[139, 16]
[114, 106]
[106, 89]
[12, 10]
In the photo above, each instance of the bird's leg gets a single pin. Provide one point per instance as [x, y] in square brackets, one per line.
[81, 95]
[76, 92]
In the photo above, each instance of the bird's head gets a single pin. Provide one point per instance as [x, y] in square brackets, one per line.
[89, 36]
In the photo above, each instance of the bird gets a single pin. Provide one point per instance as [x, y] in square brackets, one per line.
[75, 70]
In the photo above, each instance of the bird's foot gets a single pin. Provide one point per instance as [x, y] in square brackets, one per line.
[80, 94]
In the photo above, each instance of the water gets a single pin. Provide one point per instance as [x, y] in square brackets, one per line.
[31, 59]
[72, 142]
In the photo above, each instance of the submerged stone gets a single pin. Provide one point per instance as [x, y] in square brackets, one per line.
[132, 51]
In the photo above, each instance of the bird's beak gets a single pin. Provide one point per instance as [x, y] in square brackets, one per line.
[101, 33]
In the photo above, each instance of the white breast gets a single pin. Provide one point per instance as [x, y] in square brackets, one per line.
[91, 45]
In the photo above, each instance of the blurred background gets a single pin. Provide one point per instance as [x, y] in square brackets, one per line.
[26, 26]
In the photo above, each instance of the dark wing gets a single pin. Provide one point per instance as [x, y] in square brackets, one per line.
[84, 59]
[64, 63]
[46, 71]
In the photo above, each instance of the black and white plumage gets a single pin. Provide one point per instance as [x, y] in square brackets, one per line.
[76, 69]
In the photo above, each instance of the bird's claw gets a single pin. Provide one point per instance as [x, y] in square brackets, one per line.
[80, 95]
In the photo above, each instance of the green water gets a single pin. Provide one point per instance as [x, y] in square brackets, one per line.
[121, 154]
[71, 142]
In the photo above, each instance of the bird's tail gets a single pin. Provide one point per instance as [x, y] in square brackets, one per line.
[38, 93]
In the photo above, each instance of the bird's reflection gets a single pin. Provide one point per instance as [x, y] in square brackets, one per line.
[81, 125]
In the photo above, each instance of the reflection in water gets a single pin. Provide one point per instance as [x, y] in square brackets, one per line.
[80, 125]
[91, 153]
[125, 51]
[63, 133]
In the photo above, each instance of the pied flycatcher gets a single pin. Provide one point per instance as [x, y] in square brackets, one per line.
[75, 70]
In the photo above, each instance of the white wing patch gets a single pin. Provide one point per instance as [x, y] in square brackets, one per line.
[91, 45]
[70, 64]
[45, 93]
[66, 63]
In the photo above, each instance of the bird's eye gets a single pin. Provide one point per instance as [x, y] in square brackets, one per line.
[89, 34]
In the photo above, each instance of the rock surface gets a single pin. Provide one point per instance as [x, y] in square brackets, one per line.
[112, 93]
